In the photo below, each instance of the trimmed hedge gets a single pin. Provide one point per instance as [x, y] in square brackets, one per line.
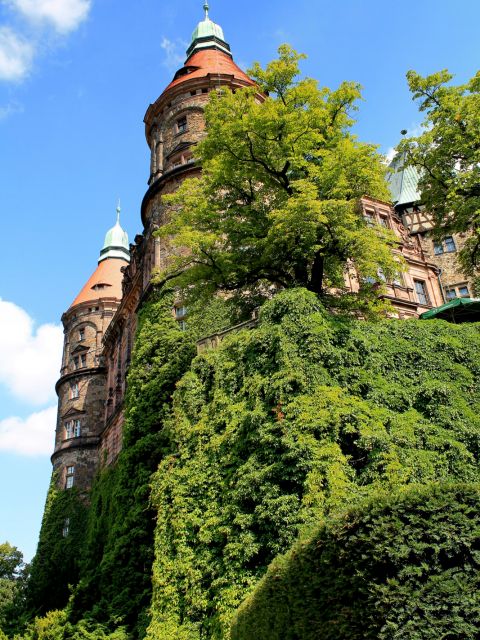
[405, 567]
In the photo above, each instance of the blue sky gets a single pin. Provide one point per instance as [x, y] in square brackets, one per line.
[76, 77]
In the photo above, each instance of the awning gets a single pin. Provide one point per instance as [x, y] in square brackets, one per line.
[457, 310]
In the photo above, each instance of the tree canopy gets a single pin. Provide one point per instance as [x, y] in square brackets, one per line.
[448, 156]
[12, 575]
[277, 203]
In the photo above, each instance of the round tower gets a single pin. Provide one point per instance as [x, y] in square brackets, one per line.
[174, 125]
[81, 388]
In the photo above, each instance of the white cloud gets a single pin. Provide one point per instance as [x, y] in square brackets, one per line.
[30, 358]
[16, 55]
[174, 53]
[64, 15]
[30, 437]
[389, 156]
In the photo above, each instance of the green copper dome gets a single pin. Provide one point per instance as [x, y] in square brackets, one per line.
[208, 35]
[208, 29]
[116, 242]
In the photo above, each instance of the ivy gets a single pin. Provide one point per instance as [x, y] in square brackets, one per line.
[56, 565]
[287, 424]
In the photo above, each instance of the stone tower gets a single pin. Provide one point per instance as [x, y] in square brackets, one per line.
[81, 387]
[174, 124]
[101, 323]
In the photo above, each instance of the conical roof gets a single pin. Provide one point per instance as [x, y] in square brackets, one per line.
[106, 280]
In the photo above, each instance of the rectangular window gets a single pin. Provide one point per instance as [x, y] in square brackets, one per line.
[463, 291]
[83, 360]
[451, 294]
[383, 221]
[180, 312]
[76, 362]
[69, 429]
[369, 218]
[182, 125]
[77, 429]
[81, 334]
[438, 248]
[66, 527]
[183, 325]
[450, 244]
[421, 290]
[69, 477]
[74, 391]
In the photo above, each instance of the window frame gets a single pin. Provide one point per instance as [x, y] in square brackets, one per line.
[69, 476]
[182, 125]
[423, 293]
[450, 245]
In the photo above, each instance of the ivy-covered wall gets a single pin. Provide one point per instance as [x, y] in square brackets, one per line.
[233, 456]
[402, 567]
[56, 565]
[290, 423]
[116, 582]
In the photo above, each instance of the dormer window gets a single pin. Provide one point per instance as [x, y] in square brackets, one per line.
[182, 125]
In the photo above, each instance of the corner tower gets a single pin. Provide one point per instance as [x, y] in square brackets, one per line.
[174, 124]
[81, 388]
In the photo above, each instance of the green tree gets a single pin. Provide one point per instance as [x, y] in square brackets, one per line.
[277, 205]
[448, 156]
[12, 572]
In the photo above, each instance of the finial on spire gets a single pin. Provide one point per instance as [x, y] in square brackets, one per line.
[119, 209]
[206, 8]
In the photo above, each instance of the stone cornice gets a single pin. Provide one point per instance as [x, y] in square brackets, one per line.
[81, 373]
[157, 186]
[84, 442]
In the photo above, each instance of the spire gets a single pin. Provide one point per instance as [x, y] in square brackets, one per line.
[208, 35]
[116, 242]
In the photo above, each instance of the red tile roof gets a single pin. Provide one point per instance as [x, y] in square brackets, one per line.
[107, 273]
[209, 61]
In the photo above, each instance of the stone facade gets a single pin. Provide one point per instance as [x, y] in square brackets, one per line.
[99, 333]
[81, 392]
[444, 253]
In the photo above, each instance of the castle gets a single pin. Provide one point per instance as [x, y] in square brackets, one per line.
[101, 323]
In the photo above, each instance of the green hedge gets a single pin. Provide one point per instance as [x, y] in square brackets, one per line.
[400, 568]
[284, 425]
